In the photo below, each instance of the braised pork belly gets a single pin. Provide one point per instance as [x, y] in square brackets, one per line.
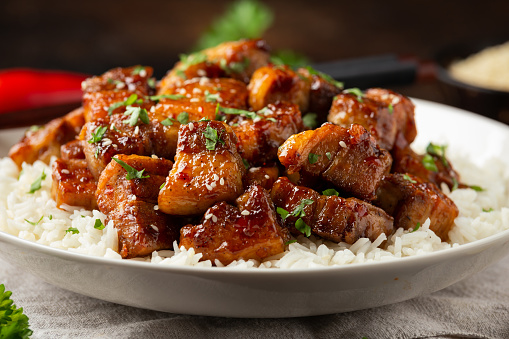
[231, 153]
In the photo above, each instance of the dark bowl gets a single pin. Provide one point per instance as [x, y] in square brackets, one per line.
[491, 103]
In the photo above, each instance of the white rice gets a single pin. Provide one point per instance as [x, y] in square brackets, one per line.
[481, 214]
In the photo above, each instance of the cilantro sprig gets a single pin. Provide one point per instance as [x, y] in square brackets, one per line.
[136, 114]
[98, 134]
[299, 213]
[133, 99]
[211, 138]
[37, 184]
[355, 91]
[325, 77]
[132, 173]
[13, 323]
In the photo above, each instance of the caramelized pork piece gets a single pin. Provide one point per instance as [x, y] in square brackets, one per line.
[44, 142]
[411, 201]
[207, 169]
[271, 84]
[73, 184]
[248, 231]
[225, 91]
[131, 202]
[331, 217]
[429, 167]
[264, 176]
[101, 104]
[72, 150]
[263, 132]
[348, 158]
[135, 78]
[234, 59]
[322, 91]
[382, 112]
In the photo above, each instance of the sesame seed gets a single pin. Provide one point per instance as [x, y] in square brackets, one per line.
[83, 85]
[213, 185]
[191, 126]
[65, 171]
[137, 130]
[214, 218]
[132, 197]
[245, 212]
[143, 73]
[152, 109]
[221, 181]
[203, 81]
[112, 127]
[201, 72]
[267, 176]
[156, 207]
[155, 228]
[107, 142]
[216, 177]
[131, 87]
[194, 100]
[208, 187]
[200, 109]
[196, 90]
[342, 144]
[129, 79]
[257, 119]
[120, 85]
[153, 156]
[208, 216]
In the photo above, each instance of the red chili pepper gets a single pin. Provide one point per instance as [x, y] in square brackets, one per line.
[23, 89]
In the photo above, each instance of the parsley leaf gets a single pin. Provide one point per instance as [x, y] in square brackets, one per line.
[330, 191]
[97, 134]
[355, 91]
[429, 163]
[212, 97]
[211, 138]
[72, 230]
[156, 98]
[477, 188]
[132, 173]
[167, 122]
[407, 177]
[303, 227]
[135, 114]
[416, 227]
[246, 163]
[390, 108]
[454, 184]
[234, 67]
[98, 225]
[282, 212]
[313, 158]
[324, 76]
[438, 151]
[299, 210]
[290, 242]
[133, 99]
[13, 323]
[34, 223]
[309, 120]
[183, 118]
[36, 185]
[487, 210]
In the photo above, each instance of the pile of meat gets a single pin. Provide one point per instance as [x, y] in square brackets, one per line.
[232, 154]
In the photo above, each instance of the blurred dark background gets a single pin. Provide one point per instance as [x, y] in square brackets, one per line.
[95, 35]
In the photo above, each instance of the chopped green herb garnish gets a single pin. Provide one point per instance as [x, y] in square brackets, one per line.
[132, 173]
[282, 212]
[313, 158]
[72, 230]
[438, 151]
[98, 225]
[390, 108]
[189, 60]
[162, 185]
[328, 155]
[34, 128]
[407, 177]
[133, 99]
[303, 227]
[151, 82]
[234, 67]
[98, 134]
[416, 227]
[50, 217]
[156, 98]
[246, 163]
[330, 191]
[36, 185]
[477, 188]
[229, 110]
[309, 120]
[181, 74]
[138, 70]
[299, 210]
[135, 114]
[487, 210]
[355, 91]
[290, 242]
[454, 184]
[167, 122]
[324, 76]
[13, 323]
[34, 223]
[429, 163]
[212, 97]
[211, 138]
[183, 118]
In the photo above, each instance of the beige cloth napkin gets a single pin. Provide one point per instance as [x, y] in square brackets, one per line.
[477, 307]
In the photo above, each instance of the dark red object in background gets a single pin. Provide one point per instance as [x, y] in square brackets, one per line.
[22, 89]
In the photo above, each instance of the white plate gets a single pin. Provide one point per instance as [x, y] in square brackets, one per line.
[281, 293]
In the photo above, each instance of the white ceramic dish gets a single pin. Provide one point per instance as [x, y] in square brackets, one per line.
[281, 293]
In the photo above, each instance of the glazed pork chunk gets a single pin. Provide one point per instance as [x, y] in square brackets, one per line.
[127, 193]
[248, 230]
[304, 210]
[382, 112]
[261, 133]
[235, 59]
[41, 143]
[411, 201]
[349, 158]
[433, 166]
[208, 169]
[264, 176]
